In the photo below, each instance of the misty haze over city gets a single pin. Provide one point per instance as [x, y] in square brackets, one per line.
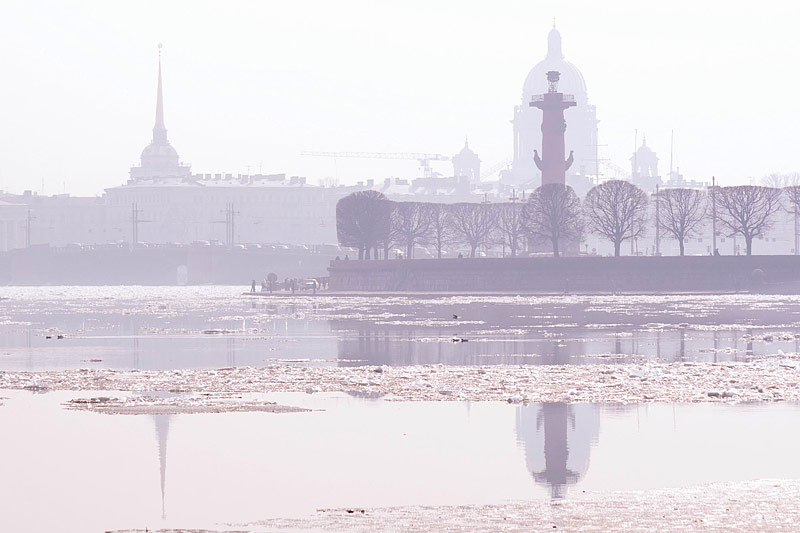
[379, 267]
[250, 85]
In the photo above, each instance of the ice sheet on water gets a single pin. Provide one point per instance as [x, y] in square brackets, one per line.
[765, 379]
[762, 505]
[176, 404]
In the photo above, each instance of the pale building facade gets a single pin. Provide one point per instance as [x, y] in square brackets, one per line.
[13, 225]
[57, 220]
[261, 209]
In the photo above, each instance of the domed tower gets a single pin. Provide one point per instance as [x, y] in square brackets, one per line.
[644, 167]
[467, 166]
[581, 135]
[159, 158]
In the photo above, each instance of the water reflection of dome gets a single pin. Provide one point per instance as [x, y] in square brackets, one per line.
[557, 439]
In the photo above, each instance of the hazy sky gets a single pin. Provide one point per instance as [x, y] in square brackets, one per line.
[252, 84]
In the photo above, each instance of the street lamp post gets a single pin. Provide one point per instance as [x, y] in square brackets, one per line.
[658, 239]
[713, 215]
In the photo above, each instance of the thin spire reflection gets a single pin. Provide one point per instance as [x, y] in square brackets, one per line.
[162, 433]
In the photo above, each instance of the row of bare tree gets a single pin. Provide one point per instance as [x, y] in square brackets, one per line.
[614, 210]
[368, 221]
[745, 210]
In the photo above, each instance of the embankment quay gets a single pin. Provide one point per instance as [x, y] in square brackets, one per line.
[156, 266]
[765, 273]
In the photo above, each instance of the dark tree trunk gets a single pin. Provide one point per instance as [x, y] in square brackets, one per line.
[555, 247]
[617, 246]
[472, 251]
[680, 243]
[748, 239]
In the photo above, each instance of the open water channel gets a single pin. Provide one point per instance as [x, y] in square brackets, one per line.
[69, 470]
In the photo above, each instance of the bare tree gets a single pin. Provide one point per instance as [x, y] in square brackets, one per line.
[363, 221]
[792, 192]
[616, 210]
[411, 224]
[441, 228]
[510, 225]
[473, 224]
[793, 195]
[681, 212]
[554, 214]
[748, 210]
[777, 180]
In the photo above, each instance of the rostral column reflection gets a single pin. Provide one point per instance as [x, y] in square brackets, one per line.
[557, 439]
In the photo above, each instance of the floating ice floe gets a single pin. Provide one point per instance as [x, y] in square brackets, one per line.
[768, 378]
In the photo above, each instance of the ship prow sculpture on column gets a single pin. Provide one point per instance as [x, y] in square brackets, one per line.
[553, 104]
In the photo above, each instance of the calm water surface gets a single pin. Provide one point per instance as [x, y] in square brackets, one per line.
[210, 327]
[77, 471]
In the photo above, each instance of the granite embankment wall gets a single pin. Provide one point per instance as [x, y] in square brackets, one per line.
[775, 273]
[153, 266]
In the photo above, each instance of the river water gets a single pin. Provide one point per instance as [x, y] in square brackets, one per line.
[82, 471]
[210, 327]
[66, 470]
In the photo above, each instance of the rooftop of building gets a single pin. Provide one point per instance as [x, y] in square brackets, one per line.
[33, 198]
[219, 180]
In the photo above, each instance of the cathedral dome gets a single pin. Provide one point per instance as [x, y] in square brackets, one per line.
[571, 81]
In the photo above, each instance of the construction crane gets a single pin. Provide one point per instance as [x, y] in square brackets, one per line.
[424, 159]
[614, 171]
[494, 169]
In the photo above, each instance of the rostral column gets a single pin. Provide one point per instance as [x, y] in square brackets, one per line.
[552, 163]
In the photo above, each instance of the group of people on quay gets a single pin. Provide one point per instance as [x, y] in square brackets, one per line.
[271, 284]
